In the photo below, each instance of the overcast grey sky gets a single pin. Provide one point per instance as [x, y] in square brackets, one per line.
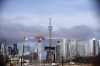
[70, 18]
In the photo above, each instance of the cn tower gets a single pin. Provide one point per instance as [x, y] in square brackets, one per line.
[49, 52]
[50, 28]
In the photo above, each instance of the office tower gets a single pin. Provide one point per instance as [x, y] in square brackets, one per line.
[20, 52]
[35, 55]
[9, 50]
[72, 48]
[2, 49]
[3, 46]
[67, 49]
[92, 47]
[98, 46]
[81, 49]
[15, 46]
[23, 49]
[26, 49]
[15, 50]
[63, 48]
[58, 51]
[26, 52]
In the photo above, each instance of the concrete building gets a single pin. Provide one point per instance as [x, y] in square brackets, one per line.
[26, 49]
[23, 49]
[35, 55]
[72, 43]
[67, 49]
[81, 49]
[93, 47]
[58, 52]
[63, 47]
[14, 50]
[2, 49]
[20, 52]
[98, 46]
[9, 50]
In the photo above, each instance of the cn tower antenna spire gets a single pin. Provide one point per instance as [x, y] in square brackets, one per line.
[50, 21]
[50, 28]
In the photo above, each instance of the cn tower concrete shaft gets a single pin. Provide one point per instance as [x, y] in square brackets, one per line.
[49, 53]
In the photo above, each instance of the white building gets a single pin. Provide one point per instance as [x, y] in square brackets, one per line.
[23, 49]
[2, 50]
[92, 47]
[20, 52]
[81, 49]
[68, 49]
[63, 46]
[72, 48]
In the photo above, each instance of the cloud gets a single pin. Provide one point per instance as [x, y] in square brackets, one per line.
[78, 32]
[15, 32]
[67, 12]
[58, 20]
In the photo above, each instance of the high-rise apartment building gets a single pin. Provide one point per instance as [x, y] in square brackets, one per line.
[93, 47]
[2, 49]
[20, 52]
[15, 50]
[26, 48]
[72, 48]
[81, 49]
[67, 49]
[98, 46]
[63, 48]
[23, 49]
[35, 55]
[9, 50]
[58, 51]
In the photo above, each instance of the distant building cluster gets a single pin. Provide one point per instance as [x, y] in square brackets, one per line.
[66, 48]
[69, 49]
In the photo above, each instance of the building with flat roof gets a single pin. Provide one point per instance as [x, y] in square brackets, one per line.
[81, 49]
[9, 50]
[72, 43]
[2, 49]
[93, 47]
[98, 46]
[58, 51]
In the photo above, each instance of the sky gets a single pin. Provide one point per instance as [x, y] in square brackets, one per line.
[70, 19]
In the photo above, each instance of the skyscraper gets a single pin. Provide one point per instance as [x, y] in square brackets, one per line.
[15, 50]
[63, 48]
[23, 49]
[35, 55]
[81, 49]
[67, 49]
[26, 48]
[9, 50]
[3, 46]
[20, 52]
[2, 49]
[72, 44]
[92, 47]
[58, 52]
[98, 46]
